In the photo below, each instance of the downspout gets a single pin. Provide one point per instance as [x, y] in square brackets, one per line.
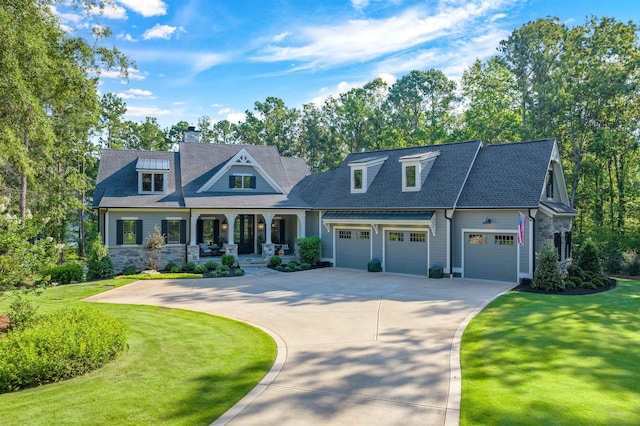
[186, 247]
[533, 240]
[455, 204]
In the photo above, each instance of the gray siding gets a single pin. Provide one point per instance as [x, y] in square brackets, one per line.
[311, 229]
[377, 244]
[327, 242]
[372, 172]
[149, 220]
[438, 243]
[222, 185]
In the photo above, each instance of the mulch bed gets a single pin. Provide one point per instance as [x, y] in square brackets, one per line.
[323, 264]
[525, 287]
[4, 323]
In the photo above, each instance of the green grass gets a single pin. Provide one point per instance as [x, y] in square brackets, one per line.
[181, 367]
[531, 359]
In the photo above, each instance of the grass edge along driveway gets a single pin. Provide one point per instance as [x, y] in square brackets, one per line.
[181, 367]
[547, 359]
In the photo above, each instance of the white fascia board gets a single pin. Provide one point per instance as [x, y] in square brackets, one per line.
[234, 161]
[368, 163]
[430, 223]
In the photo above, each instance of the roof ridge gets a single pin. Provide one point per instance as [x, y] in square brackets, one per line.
[521, 142]
[416, 146]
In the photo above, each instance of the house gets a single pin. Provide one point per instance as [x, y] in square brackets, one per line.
[479, 211]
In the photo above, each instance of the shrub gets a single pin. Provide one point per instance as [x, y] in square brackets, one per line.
[288, 269]
[572, 282]
[22, 313]
[200, 269]
[154, 244]
[547, 275]
[238, 272]
[228, 260]
[574, 270]
[188, 267]
[60, 345]
[600, 281]
[275, 261]
[588, 258]
[374, 265]
[292, 264]
[589, 284]
[66, 273]
[129, 270]
[280, 268]
[225, 273]
[309, 250]
[615, 262]
[211, 265]
[169, 266]
[297, 268]
[99, 264]
[305, 266]
[223, 268]
[174, 269]
[631, 263]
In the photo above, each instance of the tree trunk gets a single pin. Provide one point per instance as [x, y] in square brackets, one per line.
[23, 181]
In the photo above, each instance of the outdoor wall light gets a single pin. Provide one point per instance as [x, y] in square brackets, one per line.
[487, 221]
[224, 225]
[261, 225]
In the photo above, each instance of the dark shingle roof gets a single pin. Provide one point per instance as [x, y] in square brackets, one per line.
[508, 175]
[379, 215]
[440, 189]
[560, 208]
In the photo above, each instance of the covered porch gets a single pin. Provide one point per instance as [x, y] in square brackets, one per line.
[244, 233]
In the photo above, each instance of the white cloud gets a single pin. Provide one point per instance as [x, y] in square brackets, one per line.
[359, 4]
[497, 16]
[232, 115]
[126, 37]
[146, 8]
[366, 39]
[279, 37]
[134, 74]
[159, 31]
[179, 103]
[197, 62]
[136, 94]
[146, 111]
[110, 11]
[387, 78]
[203, 61]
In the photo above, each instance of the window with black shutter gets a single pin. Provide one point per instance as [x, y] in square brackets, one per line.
[567, 245]
[557, 242]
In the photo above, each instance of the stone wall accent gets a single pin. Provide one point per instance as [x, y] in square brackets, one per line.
[546, 226]
[138, 257]
[268, 250]
[232, 249]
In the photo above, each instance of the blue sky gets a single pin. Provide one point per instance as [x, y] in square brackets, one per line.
[217, 58]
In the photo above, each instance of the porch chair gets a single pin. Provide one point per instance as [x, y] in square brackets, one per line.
[285, 248]
[205, 250]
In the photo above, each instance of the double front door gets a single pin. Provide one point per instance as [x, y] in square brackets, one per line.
[244, 233]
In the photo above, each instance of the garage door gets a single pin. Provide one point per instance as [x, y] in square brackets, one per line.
[489, 256]
[353, 248]
[406, 252]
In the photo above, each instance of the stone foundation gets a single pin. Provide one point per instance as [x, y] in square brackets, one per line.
[268, 250]
[138, 257]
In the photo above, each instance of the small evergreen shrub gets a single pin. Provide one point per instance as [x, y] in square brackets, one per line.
[588, 258]
[60, 345]
[600, 281]
[238, 272]
[297, 268]
[275, 261]
[280, 268]
[547, 275]
[615, 262]
[574, 270]
[288, 269]
[211, 265]
[572, 282]
[129, 270]
[169, 266]
[65, 274]
[99, 264]
[292, 264]
[200, 269]
[631, 263]
[309, 250]
[589, 285]
[175, 269]
[22, 313]
[228, 260]
[225, 273]
[223, 268]
[374, 265]
[188, 267]
[305, 266]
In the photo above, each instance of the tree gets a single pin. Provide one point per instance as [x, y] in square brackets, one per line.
[206, 129]
[154, 244]
[112, 110]
[547, 275]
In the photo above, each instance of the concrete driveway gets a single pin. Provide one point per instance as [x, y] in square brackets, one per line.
[355, 348]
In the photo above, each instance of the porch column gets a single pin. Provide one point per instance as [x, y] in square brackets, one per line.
[268, 218]
[194, 222]
[231, 221]
[301, 225]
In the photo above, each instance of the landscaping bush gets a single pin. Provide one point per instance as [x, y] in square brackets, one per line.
[174, 269]
[99, 264]
[228, 260]
[292, 264]
[614, 264]
[211, 265]
[65, 274]
[188, 267]
[631, 263]
[280, 268]
[223, 268]
[547, 275]
[588, 258]
[225, 273]
[572, 282]
[275, 261]
[22, 313]
[374, 265]
[238, 272]
[169, 266]
[574, 270]
[297, 268]
[305, 266]
[200, 269]
[129, 270]
[309, 250]
[288, 269]
[589, 285]
[60, 345]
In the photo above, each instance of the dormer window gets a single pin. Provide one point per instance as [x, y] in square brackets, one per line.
[242, 182]
[363, 172]
[415, 169]
[152, 176]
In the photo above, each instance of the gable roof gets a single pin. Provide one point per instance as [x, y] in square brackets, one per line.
[508, 175]
[440, 189]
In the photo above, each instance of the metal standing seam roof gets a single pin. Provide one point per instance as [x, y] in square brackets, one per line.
[152, 164]
[379, 215]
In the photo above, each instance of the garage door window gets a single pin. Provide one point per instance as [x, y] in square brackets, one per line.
[504, 240]
[417, 237]
[396, 236]
[344, 235]
[363, 235]
[477, 239]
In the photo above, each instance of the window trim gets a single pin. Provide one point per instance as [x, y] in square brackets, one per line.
[182, 230]
[549, 190]
[243, 176]
[363, 188]
[120, 225]
[418, 181]
[153, 173]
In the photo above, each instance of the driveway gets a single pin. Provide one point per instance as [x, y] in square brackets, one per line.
[355, 348]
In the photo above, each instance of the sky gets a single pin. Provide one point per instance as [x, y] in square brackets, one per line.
[217, 58]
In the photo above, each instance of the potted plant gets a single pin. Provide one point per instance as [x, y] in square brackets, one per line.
[436, 271]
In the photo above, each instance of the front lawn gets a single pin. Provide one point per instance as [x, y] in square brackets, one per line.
[181, 367]
[547, 359]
